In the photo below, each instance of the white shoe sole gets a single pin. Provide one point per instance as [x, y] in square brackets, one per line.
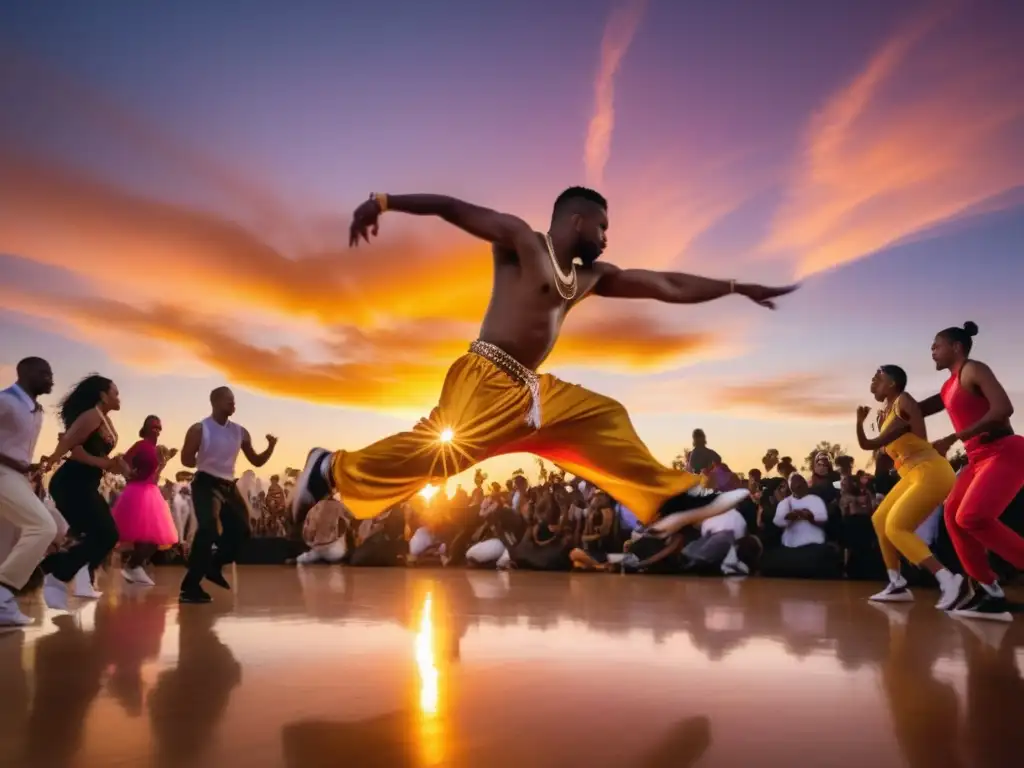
[140, 581]
[902, 597]
[1006, 617]
[303, 501]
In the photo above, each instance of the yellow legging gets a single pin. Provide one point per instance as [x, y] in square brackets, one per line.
[485, 409]
[918, 493]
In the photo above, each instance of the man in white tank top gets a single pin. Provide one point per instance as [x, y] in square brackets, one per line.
[221, 513]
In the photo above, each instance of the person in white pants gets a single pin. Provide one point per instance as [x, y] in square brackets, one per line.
[489, 551]
[321, 531]
[21, 419]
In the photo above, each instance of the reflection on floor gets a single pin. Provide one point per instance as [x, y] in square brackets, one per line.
[332, 667]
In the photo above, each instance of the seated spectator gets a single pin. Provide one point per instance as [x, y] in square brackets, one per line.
[380, 541]
[715, 550]
[599, 536]
[786, 467]
[845, 466]
[428, 526]
[544, 547]
[324, 534]
[497, 536]
[650, 554]
[804, 554]
[720, 477]
[823, 484]
[823, 479]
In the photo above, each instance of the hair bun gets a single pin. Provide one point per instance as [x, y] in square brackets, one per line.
[971, 328]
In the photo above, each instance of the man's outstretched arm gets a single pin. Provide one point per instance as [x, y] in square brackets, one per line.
[484, 223]
[679, 287]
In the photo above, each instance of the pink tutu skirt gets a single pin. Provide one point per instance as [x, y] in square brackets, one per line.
[142, 516]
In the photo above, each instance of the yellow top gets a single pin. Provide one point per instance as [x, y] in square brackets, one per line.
[908, 450]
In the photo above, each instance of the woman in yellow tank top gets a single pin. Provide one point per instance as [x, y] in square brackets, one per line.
[926, 479]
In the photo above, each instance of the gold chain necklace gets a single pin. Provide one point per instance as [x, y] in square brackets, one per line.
[566, 284]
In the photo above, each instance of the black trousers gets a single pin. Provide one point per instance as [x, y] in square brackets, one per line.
[89, 520]
[811, 561]
[215, 500]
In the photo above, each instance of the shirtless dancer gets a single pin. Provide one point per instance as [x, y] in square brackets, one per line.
[493, 402]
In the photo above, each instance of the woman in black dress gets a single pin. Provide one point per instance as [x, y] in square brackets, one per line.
[75, 488]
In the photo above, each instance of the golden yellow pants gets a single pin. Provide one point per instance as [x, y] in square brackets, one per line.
[586, 434]
[918, 493]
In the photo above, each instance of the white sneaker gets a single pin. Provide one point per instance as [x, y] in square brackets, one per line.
[307, 558]
[10, 613]
[137, 575]
[81, 585]
[954, 591]
[893, 593]
[55, 593]
[739, 568]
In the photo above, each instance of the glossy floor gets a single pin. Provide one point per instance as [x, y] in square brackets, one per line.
[326, 667]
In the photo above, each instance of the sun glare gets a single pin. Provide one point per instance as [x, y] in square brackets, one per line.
[429, 491]
[446, 435]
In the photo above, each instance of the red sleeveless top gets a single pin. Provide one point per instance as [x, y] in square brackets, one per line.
[964, 407]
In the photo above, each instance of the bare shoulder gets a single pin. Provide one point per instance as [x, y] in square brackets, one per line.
[975, 369]
[906, 400]
[89, 419]
[592, 279]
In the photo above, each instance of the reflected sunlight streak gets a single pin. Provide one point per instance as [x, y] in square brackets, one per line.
[431, 735]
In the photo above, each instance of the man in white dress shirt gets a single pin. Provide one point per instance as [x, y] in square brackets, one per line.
[805, 553]
[21, 419]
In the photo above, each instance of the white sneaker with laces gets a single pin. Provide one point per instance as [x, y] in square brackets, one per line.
[893, 593]
[953, 591]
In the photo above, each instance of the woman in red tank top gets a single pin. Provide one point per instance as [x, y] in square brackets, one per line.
[980, 411]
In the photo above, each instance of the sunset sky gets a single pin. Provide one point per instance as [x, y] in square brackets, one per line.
[176, 181]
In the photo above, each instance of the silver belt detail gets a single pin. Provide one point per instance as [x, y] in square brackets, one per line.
[514, 370]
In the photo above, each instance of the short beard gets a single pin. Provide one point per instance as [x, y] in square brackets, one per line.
[588, 254]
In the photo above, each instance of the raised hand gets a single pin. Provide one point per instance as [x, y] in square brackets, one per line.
[364, 222]
[763, 295]
[271, 441]
[863, 412]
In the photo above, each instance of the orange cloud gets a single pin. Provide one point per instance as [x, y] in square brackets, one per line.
[199, 287]
[394, 368]
[619, 32]
[795, 396]
[926, 131]
[68, 219]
